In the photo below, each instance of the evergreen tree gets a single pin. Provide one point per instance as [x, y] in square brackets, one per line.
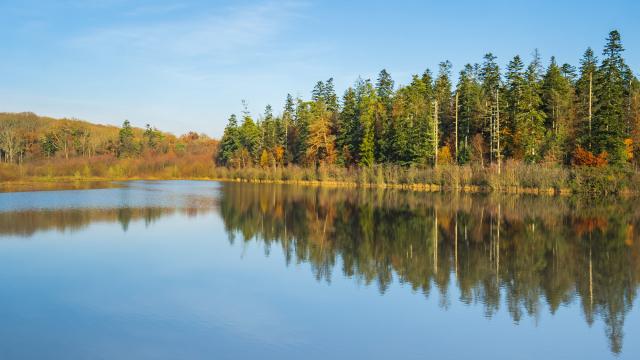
[367, 108]
[230, 142]
[317, 94]
[611, 89]
[349, 131]
[250, 137]
[301, 131]
[126, 144]
[585, 99]
[284, 130]
[530, 117]
[269, 130]
[469, 109]
[384, 91]
[320, 143]
[557, 96]
[442, 90]
[514, 98]
[329, 96]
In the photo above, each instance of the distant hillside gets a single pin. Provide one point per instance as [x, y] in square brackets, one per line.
[26, 137]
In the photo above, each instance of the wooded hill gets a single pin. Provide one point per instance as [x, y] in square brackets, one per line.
[32, 145]
[26, 136]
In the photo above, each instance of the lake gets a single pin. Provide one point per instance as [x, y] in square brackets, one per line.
[202, 270]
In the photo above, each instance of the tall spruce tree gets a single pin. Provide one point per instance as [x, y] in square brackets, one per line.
[514, 98]
[585, 99]
[443, 94]
[301, 131]
[557, 96]
[230, 142]
[469, 109]
[530, 116]
[348, 139]
[368, 110]
[384, 91]
[611, 89]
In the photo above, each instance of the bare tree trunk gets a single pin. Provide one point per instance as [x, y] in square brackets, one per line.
[435, 242]
[498, 128]
[456, 245]
[456, 127]
[590, 105]
[435, 133]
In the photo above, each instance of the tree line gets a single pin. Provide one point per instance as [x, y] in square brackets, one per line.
[535, 113]
[27, 137]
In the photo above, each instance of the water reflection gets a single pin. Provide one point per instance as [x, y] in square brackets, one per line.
[28, 222]
[522, 255]
[527, 254]
[26, 213]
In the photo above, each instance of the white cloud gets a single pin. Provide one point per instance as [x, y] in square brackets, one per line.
[220, 37]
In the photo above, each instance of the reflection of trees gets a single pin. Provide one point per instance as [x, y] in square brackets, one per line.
[28, 222]
[517, 251]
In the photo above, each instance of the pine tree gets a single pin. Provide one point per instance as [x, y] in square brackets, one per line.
[384, 90]
[317, 94]
[329, 96]
[530, 117]
[469, 109]
[320, 143]
[491, 84]
[557, 97]
[367, 108]
[284, 129]
[269, 134]
[126, 144]
[349, 132]
[413, 142]
[611, 90]
[301, 131]
[250, 137]
[442, 90]
[230, 142]
[514, 97]
[585, 99]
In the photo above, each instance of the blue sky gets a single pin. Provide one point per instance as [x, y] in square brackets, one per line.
[186, 65]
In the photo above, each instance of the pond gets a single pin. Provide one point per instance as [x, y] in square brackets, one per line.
[200, 270]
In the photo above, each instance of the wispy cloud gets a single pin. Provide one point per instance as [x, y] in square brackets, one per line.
[220, 37]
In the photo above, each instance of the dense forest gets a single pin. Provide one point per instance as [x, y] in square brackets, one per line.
[533, 113]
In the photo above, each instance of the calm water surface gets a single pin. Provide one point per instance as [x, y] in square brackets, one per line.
[202, 270]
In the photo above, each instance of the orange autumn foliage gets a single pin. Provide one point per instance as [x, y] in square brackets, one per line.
[583, 157]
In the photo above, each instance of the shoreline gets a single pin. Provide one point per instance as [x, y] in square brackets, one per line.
[73, 183]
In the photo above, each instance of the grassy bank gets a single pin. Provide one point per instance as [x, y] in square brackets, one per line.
[514, 177]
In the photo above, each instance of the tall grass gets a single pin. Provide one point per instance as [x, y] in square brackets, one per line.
[513, 177]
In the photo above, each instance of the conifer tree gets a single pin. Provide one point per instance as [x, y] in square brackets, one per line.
[557, 97]
[514, 98]
[301, 131]
[469, 109]
[585, 98]
[250, 137]
[368, 111]
[320, 142]
[384, 91]
[230, 142]
[348, 138]
[530, 117]
[443, 94]
[611, 90]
